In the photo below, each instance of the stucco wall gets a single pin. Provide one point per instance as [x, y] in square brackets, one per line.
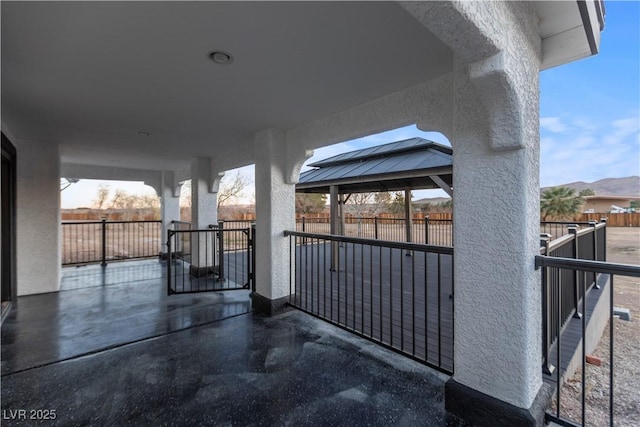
[38, 218]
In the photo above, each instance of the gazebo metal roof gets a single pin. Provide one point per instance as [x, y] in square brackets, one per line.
[414, 163]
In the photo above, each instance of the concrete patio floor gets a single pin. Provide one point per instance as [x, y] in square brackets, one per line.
[109, 352]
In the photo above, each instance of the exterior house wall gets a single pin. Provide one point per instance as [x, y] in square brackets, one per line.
[602, 204]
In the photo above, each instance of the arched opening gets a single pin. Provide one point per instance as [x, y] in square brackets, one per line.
[403, 176]
[92, 199]
[109, 220]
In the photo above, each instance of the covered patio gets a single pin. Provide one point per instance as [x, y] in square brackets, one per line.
[114, 355]
[162, 92]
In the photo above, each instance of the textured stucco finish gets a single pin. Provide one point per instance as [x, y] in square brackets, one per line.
[169, 205]
[37, 218]
[204, 210]
[428, 104]
[151, 178]
[493, 104]
[496, 168]
[488, 108]
[275, 213]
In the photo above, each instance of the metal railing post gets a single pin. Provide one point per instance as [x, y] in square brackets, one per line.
[573, 230]
[252, 274]
[594, 243]
[169, 260]
[547, 367]
[375, 227]
[104, 242]
[426, 230]
[220, 250]
[604, 236]
[304, 226]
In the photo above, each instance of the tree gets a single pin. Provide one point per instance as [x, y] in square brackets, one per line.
[231, 189]
[447, 206]
[397, 205]
[560, 203]
[310, 202]
[103, 196]
[368, 204]
[118, 199]
[587, 192]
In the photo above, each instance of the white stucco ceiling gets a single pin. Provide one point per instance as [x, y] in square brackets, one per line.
[89, 76]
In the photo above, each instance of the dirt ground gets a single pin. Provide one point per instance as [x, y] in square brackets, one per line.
[623, 246]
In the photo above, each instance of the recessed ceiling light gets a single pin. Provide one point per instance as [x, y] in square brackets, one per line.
[143, 133]
[220, 57]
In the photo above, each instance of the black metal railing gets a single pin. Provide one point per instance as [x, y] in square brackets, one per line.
[426, 231]
[237, 223]
[233, 240]
[182, 242]
[399, 295]
[314, 225]
[586, 244]
[558, 229]
[210, 263]
[86, 242]
[562, 272]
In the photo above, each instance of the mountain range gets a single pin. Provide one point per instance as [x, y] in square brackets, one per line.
[628, 186]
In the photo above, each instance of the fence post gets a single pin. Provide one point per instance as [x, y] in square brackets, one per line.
[426, 229]
[604, 235]
[252, 274]
[220, 250]
[594, 242]
[304, 229]
[573, 230]
[104, 242]
[375, 227]
[547, 367]
[169, 236]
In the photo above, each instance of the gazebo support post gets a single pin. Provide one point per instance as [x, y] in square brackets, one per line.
[341, 203]
[333, 209]
[408, 214]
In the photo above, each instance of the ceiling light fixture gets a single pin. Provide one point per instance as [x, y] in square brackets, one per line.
[143, 133]
[220, 57]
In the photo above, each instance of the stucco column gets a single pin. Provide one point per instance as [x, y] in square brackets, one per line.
[169, 206]
[496, 234]
[38, 226]
[275, 213]
[204, 211]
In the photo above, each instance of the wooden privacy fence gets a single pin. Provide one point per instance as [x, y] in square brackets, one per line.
[613, 219]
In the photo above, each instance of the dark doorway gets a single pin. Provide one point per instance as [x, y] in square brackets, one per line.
[8, 224]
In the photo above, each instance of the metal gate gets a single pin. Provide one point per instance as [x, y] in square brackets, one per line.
[215, 259]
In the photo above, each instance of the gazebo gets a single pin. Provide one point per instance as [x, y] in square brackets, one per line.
[411, 164]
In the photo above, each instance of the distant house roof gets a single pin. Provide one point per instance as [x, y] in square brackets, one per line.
[389, 167]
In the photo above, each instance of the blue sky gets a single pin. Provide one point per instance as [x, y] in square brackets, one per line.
[589, 117]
